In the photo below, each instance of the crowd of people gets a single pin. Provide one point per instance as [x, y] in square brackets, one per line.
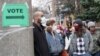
[51, 39]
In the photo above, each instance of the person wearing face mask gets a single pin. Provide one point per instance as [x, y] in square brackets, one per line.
[54, 40]
[43, 21]
[81, 40]
[96, 37]
[40, 43]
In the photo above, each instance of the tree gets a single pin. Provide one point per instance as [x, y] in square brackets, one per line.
[91, 10]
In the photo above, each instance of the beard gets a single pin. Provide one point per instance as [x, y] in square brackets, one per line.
[39, 21]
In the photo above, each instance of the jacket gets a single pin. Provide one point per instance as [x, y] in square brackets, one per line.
[87, 39]
[96, 47]
[40, 43]
[55, 43]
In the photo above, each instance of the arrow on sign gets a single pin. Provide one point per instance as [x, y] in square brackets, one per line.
[15, 17]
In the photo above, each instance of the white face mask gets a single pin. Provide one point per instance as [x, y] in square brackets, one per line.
[54, 28]
[32, 20]
[43, 21]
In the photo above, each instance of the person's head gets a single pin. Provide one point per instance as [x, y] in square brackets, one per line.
[78, 25]
[91, 26]
[50, 24]
[37, 16]
[84, 23]
[69, 22]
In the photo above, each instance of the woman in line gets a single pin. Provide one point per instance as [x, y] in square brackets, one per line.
[95, 36]
[81, 40]
[54, 40]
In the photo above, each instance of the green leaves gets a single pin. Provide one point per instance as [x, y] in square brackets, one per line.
[97, 1]
[91, 10]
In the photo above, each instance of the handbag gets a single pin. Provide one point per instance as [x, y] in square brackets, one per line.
[64, 53]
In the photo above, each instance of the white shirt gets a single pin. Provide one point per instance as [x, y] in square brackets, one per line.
[67, 42]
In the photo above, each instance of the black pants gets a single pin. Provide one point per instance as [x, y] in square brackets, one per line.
[55, 54]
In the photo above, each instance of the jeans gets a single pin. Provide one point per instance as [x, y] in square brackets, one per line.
[87, 54]
[55, 55]
[97, 54]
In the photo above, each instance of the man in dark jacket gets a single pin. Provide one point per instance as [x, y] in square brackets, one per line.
[40, 43]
